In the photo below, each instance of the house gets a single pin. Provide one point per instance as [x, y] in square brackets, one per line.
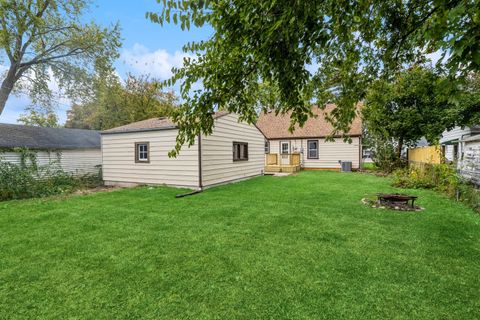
[137, 153]
[469, 164]
[76, 151]
[307, 147]
[452, 141]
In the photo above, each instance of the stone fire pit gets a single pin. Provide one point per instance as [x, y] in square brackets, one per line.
[393, 201]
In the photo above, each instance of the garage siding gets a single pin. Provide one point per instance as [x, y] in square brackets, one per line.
[119, 166]
[77, 162]
[217, 151]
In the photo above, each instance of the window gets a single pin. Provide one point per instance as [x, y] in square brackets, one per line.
[312, 149]
[267, 146]
[142, 152]
[285, 148]
[240, 151]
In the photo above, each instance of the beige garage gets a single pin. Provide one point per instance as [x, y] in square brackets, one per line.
[137, 153]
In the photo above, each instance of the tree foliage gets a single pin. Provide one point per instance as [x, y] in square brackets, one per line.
[44, 40]
[115, 103]
[419, 102]
[40, 117]
[309, 50]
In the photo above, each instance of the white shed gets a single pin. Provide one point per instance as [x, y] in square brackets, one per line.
[469, 164]
[137, 153]
[76, 151]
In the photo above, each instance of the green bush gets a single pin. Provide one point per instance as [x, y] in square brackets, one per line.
[28, 180]
[439, 177]
[385, 158]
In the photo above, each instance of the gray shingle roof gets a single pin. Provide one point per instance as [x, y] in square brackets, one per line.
[153, 124]
[15, 135]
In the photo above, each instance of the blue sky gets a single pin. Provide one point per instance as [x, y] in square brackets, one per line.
[148, 48]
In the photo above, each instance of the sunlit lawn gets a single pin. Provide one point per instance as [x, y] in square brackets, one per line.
[279, 248]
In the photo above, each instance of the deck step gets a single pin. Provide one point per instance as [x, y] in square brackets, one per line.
[285, 168]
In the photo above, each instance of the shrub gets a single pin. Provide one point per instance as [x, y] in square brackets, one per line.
[385, 157]
[439, 177]
[29, 180]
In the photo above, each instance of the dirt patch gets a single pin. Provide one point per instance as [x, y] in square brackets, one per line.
[96, 189]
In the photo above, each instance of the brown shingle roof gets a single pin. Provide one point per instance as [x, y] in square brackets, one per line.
[152, 124]
[276, 126]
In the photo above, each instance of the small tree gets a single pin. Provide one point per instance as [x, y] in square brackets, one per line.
[417, 103]
[47, 39]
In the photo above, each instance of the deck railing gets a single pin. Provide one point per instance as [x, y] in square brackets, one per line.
[275, 159]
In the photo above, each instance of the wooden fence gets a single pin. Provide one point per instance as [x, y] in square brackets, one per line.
[428, 154]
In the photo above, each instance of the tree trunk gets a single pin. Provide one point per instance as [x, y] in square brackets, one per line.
[399, 149]
[7, 87]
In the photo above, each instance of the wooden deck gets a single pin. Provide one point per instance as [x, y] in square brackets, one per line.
[289, 163]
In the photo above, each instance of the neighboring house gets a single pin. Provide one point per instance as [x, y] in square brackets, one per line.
[469, 164]
[451, 141]
[75, 151]
[309, 141]
[137, 153]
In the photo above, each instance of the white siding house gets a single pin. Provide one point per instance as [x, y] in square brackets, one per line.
[330, 153]
[138, 154]
[469, 164]
[310, 141]
[75, 151]
[452, 144]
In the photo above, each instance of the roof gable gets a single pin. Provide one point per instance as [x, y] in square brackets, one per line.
[276, 126]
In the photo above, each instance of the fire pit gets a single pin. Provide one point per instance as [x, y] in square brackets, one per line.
[394, 201]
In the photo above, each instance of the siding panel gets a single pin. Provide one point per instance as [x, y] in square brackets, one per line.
[119, 164]
[217, 157]
[77, 162]
[329, 153]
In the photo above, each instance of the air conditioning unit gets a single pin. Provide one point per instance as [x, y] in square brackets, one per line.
[346, 166]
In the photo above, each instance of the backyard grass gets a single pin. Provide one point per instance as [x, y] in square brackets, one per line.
[298, 247]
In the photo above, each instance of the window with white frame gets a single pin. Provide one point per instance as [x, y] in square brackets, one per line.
[285, 148]
[267, 146]
[312, 149]
[142, 150]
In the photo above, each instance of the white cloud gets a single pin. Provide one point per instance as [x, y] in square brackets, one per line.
[158, 63]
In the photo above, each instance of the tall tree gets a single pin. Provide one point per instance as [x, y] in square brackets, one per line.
[417, 103]
[46, 39]
[115, 103]
[326, 50]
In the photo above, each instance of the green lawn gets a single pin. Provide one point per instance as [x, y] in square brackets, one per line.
[298, 247]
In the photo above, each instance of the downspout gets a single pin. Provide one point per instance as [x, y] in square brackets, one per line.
[360, 153]
[200, 182]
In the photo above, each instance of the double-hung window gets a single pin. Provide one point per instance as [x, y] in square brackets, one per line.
[312, 149]
[285, 147]
[142, 152]
[240, 151]
[267, 146]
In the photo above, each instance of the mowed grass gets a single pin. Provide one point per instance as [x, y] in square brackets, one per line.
[297, 247]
